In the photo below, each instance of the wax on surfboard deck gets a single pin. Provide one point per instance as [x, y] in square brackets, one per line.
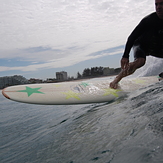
[80, 92]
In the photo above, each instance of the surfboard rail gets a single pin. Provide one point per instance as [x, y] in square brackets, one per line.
[4, 94]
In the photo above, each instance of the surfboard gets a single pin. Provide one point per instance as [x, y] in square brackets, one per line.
[79, 92]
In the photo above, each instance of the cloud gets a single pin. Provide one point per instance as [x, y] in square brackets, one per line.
[62, 23]
[109, 51]
[53, 34]
[45, 63]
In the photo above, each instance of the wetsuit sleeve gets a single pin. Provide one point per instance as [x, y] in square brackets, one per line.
[137, 32]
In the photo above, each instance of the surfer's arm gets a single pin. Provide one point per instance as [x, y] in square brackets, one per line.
[137, 32]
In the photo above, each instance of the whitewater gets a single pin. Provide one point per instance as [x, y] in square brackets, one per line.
[128, 130]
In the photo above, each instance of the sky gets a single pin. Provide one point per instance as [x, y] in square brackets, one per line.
[42, 37]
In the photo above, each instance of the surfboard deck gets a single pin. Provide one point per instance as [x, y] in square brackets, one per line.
[80, 92]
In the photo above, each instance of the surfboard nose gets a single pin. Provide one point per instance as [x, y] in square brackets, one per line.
[4, 94]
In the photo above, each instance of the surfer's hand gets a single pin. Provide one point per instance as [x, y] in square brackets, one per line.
[124, 63]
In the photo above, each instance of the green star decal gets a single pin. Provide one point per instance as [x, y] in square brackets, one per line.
[71, 94]
[30, 91]
[111, 91]
[84, 84]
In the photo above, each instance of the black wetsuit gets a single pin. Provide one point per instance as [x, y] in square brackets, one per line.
[146, 38]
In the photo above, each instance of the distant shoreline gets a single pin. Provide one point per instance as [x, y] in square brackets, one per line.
[75, 80]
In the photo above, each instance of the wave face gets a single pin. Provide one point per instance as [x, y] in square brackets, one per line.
[153, 66]
[127, 130]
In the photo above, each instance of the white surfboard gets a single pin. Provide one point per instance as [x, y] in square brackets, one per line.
[80, 92]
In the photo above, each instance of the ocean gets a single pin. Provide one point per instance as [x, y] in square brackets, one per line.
[128, 130]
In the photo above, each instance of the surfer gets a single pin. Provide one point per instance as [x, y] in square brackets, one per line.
[146, 39]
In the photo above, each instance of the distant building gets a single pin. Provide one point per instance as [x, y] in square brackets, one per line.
[61, 76]
[33, 80]
[50, 80]
[12, 80]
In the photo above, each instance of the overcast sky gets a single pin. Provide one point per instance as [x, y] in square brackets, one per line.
[40, 37]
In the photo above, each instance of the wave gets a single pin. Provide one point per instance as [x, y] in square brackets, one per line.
[126, 130]
[153, 66]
